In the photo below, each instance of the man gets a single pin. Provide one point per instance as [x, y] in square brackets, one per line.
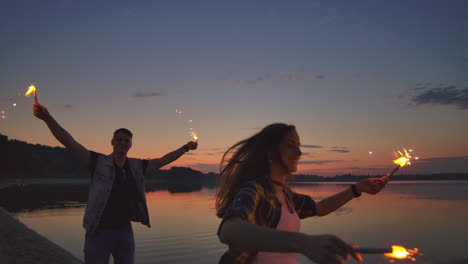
[116, 193]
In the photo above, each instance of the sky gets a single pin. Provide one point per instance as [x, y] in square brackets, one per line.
[354, 77]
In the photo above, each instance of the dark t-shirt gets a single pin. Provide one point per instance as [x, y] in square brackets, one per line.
[123, 196]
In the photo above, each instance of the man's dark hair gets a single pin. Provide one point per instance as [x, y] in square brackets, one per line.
[123, 130]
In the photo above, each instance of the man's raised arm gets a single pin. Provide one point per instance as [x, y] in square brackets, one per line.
[155, 164]
[61, 134]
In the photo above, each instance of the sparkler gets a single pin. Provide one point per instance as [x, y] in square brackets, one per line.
[395, 252]
[32, 90]
[400, 252]
[192, 132]
[373, 250]
[403, 160]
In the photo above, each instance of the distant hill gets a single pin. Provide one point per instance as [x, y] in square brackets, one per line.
[20, 159]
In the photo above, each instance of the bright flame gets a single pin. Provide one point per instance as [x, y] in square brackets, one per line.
[404, 158]
[194, 135]
[400, 252]
[31, 90]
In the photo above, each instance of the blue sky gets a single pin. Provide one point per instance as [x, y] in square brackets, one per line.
[359, 75]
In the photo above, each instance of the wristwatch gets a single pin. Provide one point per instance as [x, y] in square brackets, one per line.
[354, 191]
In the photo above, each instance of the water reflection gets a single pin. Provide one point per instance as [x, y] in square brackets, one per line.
[36, 197]
[429, 216]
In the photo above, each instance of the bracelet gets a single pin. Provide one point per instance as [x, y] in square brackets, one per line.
[354, 191]
[186, 148]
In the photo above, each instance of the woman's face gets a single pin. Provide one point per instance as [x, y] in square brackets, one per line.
[290, 152]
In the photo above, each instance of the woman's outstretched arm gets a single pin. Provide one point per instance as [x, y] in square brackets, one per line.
[319, 248]
[332, 203]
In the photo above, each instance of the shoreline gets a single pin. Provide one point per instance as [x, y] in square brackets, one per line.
[20, 244]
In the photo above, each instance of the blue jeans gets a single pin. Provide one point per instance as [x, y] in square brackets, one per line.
[119, 242]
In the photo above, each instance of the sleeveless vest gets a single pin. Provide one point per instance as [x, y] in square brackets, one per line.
[101, 187]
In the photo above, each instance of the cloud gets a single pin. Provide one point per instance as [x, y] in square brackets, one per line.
[190, 154]
[311, 146]
[319, 162]
[146, 95]
[296, 75]
[340, 150]
[68, 106]
[291, 77]
[258, 80]
[439, 165]
[448, 95]
[305, 153]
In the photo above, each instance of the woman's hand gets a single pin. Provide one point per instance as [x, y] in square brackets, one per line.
[371, 185]
[41, 112]
[327, 249]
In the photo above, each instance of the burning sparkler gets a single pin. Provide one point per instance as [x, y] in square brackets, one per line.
[193, 134]
[402, 160]
[395, 252]
[399, 252]
[373, 250]
[32, 90]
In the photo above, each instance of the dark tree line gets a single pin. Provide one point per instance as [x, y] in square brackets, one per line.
[20, 159]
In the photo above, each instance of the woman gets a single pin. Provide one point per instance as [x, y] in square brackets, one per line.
[261, 213]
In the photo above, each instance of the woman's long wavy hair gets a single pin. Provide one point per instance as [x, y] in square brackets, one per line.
[248, 160]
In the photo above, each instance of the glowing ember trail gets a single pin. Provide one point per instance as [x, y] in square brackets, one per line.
[193, 134]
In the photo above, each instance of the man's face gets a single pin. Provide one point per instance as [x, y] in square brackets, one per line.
[121, 143]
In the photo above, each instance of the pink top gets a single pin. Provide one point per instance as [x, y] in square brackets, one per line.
[288, 222]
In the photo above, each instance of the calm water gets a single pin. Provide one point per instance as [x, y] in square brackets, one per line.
[430, 216]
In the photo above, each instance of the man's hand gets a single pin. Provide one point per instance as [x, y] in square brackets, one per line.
[192, 145]
[41, 112]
